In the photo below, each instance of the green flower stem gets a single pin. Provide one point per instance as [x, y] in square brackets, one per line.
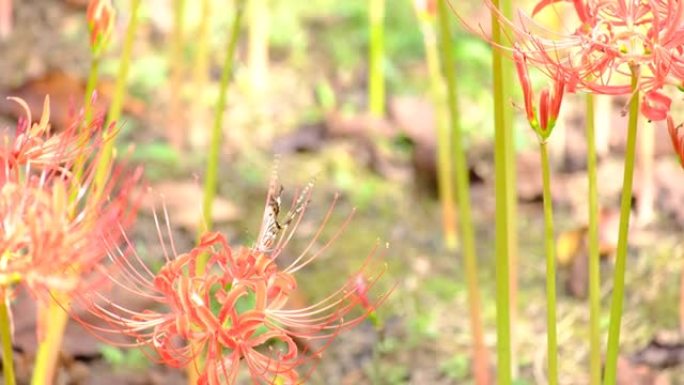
[116, 106]
[87, 114]
[376, 73]
[6, 337]
[480, 355]
[90, 88]
[48, 350]
[502, 227]
[444, 156]
[211, 173]
[594, 263]
[621, 256]
[550, 247]
[506, 8]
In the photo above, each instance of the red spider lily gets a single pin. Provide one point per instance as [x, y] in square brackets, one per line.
[613, 39]
[34, 148]
[549, 105]
[51, 230]
[101, 16]
[677, 136]
[48, 238]
[236, 312]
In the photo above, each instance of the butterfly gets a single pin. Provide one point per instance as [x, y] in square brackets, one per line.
[272, 228]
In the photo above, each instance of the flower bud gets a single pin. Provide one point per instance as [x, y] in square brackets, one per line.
[677, 137]
[101, 16]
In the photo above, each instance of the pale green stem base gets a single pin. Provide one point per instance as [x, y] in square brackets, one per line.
[621, 255]
[550, 247]
[502, 227]
[48, 350]
[6, 337]
[594, 262]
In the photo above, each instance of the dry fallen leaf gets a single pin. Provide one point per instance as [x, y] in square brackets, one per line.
[183, 201]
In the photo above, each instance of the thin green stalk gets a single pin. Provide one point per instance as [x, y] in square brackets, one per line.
[480, 355]
[550, 247]
[6, 337]
[376, 75]
[116, 106]
[90, 88]
[621, 255]
[594, 263]
[87, 113]
[506, 8]
[444, 156]
[211, 173]
[502, 226]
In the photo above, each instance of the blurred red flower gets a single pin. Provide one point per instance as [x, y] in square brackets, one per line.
[612, 38]
[52, 227]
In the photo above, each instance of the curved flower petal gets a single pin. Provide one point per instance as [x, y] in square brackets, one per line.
[655, 106]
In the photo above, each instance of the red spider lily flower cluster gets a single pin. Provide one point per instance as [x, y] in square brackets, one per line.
[236, 312]
[51, 229]
[101, 16]
[612, 40]
[617, 47]
[549, 104]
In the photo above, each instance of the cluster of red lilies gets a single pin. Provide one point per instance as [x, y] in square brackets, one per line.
[51, 226]
[216, 307]
[611, 43]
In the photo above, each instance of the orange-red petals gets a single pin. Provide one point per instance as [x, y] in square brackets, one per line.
[677, 136]
[549, 104]
[35, 149]
[524, 78]
[656, 106]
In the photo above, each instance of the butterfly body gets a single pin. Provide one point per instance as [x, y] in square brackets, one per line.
[272, 228]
